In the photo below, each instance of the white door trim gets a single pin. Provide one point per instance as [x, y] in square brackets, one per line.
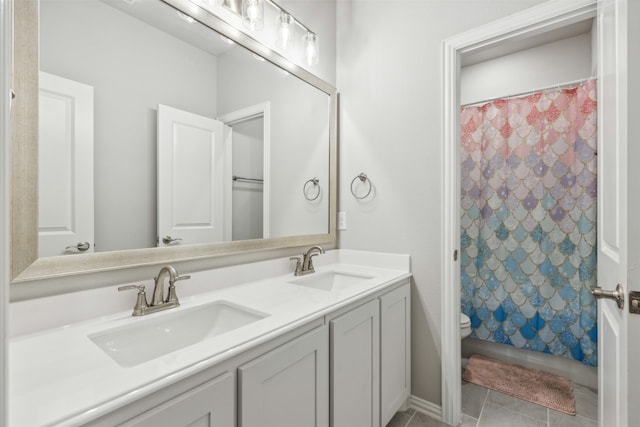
[531, 22]
[258, 110]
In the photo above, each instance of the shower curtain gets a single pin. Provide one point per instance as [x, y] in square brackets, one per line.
[528, 226]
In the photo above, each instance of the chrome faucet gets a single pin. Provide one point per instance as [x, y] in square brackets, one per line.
[158, 302]
[304, 264]
[158, 290]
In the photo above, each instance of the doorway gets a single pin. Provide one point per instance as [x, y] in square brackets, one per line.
[248, 173]
[543, 21]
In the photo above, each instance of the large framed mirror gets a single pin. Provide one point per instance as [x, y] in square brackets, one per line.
[152, 131]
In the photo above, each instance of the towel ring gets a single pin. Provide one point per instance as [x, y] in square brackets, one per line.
[363, 178]
[315, 182]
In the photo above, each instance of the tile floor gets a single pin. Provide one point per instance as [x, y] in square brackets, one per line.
[482, 407]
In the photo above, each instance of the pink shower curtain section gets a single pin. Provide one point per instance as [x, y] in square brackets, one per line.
[528, 234]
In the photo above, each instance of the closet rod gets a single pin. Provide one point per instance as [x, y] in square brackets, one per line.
[516, 95]
[240, 178]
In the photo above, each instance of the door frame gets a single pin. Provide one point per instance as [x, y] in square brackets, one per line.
[258, 110]
[528, 23]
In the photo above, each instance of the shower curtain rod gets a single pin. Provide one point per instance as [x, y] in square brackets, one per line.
[514, 95]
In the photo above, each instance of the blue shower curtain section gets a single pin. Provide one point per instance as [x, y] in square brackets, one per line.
[528, 235]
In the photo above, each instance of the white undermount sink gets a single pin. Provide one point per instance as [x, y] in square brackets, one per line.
[148, 338]
[332, 280]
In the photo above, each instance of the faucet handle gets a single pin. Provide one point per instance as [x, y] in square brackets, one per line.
[141, 301]
[140, 288]
[172, 297]
[298, 260]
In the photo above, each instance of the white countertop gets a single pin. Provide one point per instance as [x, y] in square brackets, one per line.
[60, 377]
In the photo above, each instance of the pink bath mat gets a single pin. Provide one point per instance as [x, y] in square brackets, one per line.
[532, 385]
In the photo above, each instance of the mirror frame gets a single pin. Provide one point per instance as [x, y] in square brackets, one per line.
[25, 264]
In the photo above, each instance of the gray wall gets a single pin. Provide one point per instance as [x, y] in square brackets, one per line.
[389, 77]
[133, 67]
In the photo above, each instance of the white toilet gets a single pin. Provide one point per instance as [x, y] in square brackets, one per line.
[465, 326]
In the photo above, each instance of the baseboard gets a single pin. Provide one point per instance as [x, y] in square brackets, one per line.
[426, 407]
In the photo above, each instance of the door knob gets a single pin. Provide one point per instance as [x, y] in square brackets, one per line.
[82, 246]
[617, 295]
[168, 240]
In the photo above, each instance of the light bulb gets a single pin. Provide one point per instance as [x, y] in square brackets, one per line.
[311, 48]
[252, 11]
[253, 14]
[285, 24]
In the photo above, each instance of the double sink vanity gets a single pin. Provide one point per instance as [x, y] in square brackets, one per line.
[326, 348]
[251, 344]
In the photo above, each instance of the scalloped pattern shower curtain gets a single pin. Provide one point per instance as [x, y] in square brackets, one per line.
[528, 234]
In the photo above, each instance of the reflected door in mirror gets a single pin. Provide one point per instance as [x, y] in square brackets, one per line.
[191, 177]
[66, 222]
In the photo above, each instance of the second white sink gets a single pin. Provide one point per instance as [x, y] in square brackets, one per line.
[332, 280]
[146, 339]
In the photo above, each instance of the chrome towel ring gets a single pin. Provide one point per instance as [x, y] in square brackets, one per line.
[315, 181]
[363, 178]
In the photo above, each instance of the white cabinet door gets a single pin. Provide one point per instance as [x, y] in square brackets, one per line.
[288, 386]
[395, 351]
[211, 404]
[355, 367]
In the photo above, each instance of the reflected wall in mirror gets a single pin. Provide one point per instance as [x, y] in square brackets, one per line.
[146, 111]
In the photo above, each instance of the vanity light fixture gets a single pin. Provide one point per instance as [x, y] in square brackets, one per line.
[285, 28]
[311, 48]
[253, 14]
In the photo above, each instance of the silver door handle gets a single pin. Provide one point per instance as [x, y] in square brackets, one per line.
[82, 246]
[617, 295]
[168, 240]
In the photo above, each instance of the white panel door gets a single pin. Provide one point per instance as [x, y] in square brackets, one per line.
[289, 386]
[612, 212]
[191, 163]
[65, 173]
[355, 367]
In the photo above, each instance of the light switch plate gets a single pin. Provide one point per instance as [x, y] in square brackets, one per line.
[342, 220]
